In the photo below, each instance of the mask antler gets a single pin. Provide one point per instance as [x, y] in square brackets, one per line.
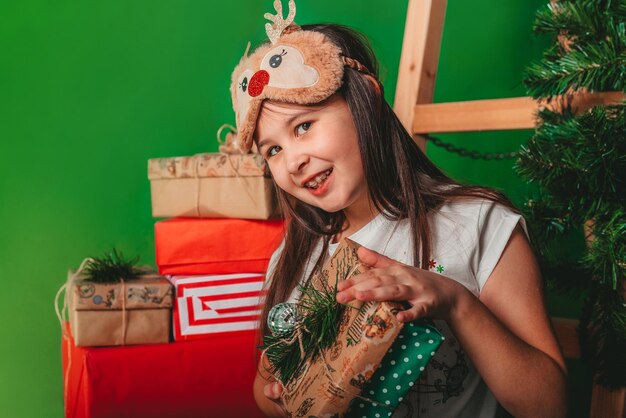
[274, 31]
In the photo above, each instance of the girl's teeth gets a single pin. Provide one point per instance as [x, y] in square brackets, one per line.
[313, 184]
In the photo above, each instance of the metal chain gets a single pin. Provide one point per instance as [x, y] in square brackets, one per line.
[487, 156]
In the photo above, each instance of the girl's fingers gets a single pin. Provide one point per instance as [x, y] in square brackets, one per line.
[358, 279]
[413, 313]
[389, 283]
[374, 291]
[384, 293]
[359, 283]
[273, 390]
[347, 287]
[373, 259]
[344, 284]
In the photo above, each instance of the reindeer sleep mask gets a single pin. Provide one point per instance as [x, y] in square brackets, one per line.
[297, 66]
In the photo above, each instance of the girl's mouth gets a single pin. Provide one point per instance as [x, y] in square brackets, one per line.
[318, 180]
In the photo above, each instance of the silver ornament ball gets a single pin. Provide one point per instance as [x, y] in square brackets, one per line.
[282, 318]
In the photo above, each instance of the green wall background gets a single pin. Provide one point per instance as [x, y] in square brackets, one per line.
[90, 90]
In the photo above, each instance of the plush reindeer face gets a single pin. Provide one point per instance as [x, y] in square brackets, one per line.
[302, 67]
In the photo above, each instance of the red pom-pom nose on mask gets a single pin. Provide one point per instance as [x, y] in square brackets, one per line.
[259, 80]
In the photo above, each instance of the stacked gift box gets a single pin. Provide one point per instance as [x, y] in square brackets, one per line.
[180, 343]
[217, 266]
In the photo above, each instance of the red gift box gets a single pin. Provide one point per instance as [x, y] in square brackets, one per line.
[189, 246]
[189, 379]
[216, 304]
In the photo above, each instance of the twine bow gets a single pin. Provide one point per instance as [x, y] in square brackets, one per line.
[124, 318]
[229, 144]
[62, 316]
[297, 335]
[228, 147]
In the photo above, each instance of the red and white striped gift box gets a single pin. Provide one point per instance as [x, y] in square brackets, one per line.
[216, 304]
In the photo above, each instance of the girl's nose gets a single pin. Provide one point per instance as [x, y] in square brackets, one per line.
[296, 162]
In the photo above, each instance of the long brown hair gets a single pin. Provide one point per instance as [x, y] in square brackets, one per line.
[402, 182]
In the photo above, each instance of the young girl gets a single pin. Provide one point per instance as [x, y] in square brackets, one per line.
[345, 167]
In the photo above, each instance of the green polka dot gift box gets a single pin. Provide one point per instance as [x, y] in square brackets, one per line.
[400, 369]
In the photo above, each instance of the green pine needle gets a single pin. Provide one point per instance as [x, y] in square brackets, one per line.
[324, 314]
[111, 268]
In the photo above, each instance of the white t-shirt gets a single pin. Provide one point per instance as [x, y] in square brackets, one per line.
[468, 238]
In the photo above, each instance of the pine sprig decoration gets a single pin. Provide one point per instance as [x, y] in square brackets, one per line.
[578, 162]
[323, 314]
[111, 268]
[316, 330]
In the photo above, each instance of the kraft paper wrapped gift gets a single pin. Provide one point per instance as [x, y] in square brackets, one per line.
[212, 185]
[201, 246]
[326, 386]
[369, 343]
[191, 379]
[129, 312]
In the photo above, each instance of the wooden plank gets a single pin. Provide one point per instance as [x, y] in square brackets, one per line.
[567, 335]
[477, 115]
[420, 56]
[585, 101]
[498, 114]
[606, 403]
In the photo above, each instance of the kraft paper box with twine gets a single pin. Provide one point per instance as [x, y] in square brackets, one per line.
[215, 185]
[371, 346]
[127, 312]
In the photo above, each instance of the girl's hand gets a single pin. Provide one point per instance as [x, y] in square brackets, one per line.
[272, 391]
[428, 293]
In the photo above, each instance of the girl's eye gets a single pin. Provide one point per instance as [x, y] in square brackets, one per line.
[302, 128]
[271, 151]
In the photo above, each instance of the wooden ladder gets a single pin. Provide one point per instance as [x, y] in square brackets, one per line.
[419, 115]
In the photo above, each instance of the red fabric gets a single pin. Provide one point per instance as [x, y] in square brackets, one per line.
[201, 378]
[190, 246]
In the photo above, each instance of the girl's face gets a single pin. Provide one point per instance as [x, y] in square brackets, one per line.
[313, 154]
